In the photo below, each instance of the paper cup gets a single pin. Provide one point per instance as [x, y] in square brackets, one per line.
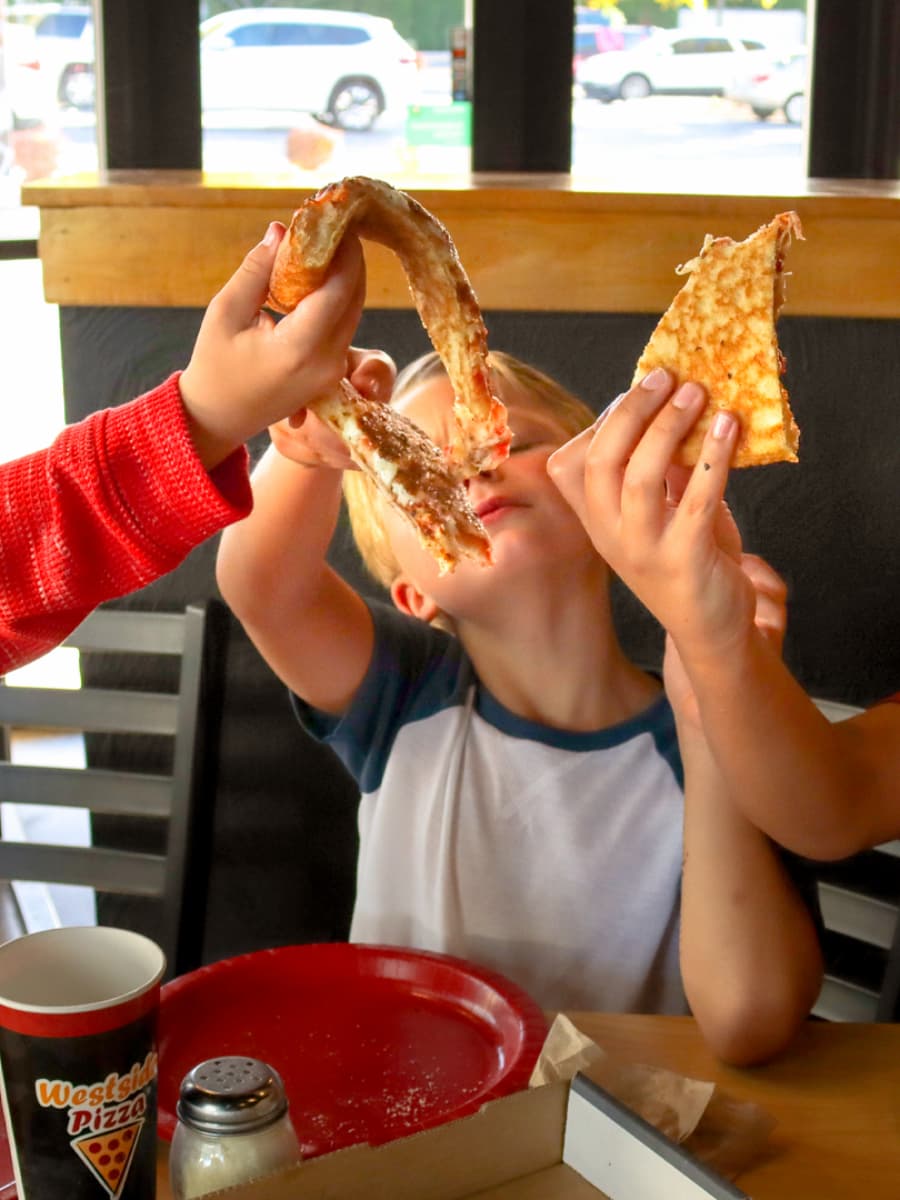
[78, 1062]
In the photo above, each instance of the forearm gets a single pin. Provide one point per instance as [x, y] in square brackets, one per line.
[116, 500]
[750, 958]
[795, 775]
[271, 563]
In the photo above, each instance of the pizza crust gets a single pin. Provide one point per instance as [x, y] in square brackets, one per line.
[423, 482]
[439, 286]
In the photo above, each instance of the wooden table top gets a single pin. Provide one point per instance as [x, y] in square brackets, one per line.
[835, 1096]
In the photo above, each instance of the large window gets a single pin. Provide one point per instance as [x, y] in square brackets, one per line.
[47, 123]
[323, 91]
[714, 99]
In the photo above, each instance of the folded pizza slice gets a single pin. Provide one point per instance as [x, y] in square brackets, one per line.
[424, 482]
[438, 284]
[720, 331]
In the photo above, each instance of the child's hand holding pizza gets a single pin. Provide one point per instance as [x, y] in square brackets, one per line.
[247, 371]
[666, 532]
[306, 439]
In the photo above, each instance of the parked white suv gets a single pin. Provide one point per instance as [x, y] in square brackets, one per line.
[345, 68]
[674, 63]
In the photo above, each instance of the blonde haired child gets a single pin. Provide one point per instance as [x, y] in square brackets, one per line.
[526, 799]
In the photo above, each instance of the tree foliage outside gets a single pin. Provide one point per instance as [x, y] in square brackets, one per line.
[426, 25]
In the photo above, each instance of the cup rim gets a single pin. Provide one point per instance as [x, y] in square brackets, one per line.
[155, 957]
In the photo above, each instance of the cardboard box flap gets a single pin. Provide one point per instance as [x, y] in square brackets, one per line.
[517, 1135]
[554, 1183]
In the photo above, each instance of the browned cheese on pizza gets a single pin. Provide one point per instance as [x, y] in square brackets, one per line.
[407, 468]
[720, 331]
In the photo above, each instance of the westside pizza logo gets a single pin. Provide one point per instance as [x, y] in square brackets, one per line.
[108, 1155]
[105, 1119]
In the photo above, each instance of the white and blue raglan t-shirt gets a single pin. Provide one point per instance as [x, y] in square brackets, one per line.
[552, 857]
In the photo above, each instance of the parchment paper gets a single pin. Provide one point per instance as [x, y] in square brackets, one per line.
[728, 1134]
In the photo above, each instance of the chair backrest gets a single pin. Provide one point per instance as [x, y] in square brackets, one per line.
[860, 910]
[181, 797]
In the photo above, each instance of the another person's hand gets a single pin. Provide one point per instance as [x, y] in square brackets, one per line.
[248, 370]
[306, 440]
[665, 531]
[770, 619]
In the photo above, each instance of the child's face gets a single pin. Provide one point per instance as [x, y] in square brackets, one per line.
[530, 524]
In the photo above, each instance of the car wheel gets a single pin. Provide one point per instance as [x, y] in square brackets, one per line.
[635, 87]
[762, 113]
[77, 87]
[795, 109]
[355, 104]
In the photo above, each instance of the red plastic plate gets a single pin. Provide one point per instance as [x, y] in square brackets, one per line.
[373, 1042]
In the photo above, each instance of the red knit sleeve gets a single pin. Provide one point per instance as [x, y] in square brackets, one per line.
[117, 500]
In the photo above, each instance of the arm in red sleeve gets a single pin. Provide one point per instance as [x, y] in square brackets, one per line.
[113, 503]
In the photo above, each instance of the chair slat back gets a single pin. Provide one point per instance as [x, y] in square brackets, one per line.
[178, 795]
[861, 915]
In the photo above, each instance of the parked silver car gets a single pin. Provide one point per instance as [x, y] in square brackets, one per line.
[671, 63]
[782, 86]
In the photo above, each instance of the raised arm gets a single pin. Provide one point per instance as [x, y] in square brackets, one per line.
[121, 497]
[750, 956]
[819, 789]
[310, 626]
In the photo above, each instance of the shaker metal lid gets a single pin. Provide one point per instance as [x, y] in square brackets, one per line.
[231, 1094]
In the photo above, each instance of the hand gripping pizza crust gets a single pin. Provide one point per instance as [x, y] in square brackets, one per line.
[720, 331]
[424, 483]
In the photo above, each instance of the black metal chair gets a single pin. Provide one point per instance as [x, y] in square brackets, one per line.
[860, 901]
[178, 798]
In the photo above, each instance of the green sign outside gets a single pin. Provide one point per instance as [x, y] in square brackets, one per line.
[439, 124]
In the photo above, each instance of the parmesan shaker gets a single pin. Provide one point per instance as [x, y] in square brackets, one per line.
[233, 1125]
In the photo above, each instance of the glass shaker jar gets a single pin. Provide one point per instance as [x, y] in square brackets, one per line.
[233, 1125]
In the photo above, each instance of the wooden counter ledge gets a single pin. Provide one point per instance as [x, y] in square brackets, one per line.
[528, 242]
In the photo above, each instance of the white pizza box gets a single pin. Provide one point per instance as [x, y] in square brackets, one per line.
[559, 1141]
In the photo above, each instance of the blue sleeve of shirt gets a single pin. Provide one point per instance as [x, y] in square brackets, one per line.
[416, 670]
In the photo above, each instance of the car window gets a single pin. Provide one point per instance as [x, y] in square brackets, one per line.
[258, 34]
[338, 35]
[752, 45]
[715, 46]
[688, 46]
[61, 24]
[293, 35]
[585, 41]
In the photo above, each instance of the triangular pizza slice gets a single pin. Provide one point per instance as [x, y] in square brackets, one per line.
[720, 331]
[108, 1156]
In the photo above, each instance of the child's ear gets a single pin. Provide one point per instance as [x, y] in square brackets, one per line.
[410, 600]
